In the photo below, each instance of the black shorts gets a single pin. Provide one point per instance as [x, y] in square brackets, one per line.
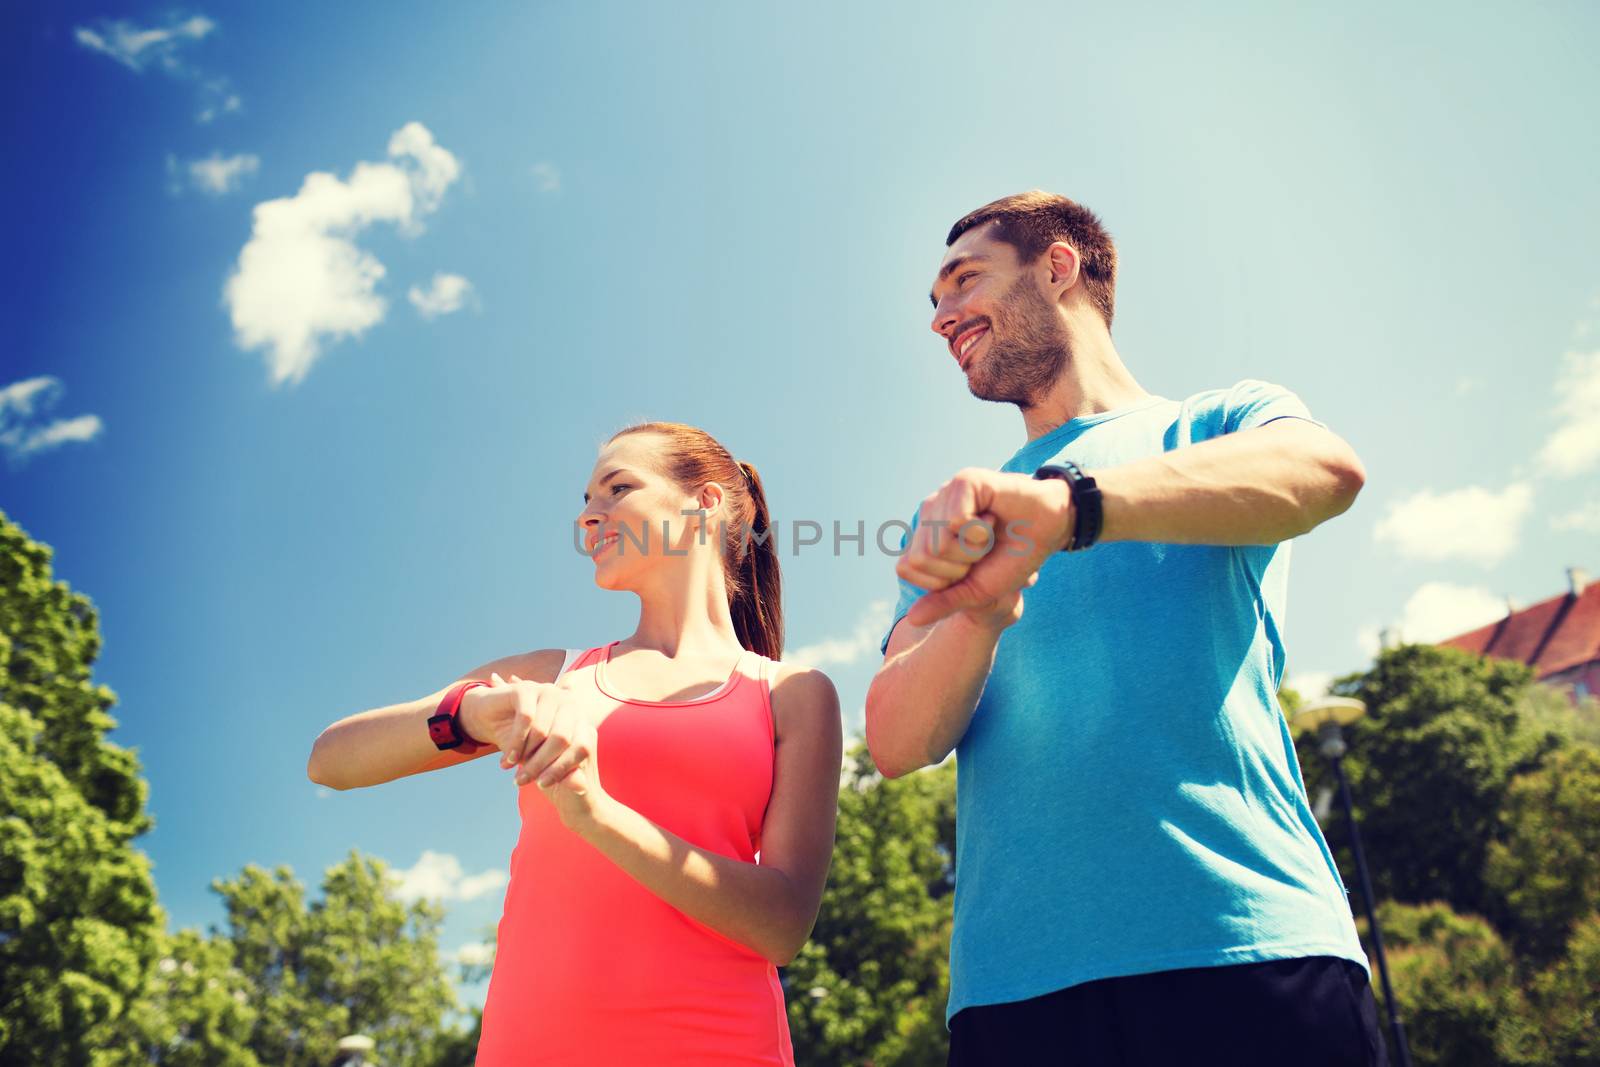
[1316, 1011]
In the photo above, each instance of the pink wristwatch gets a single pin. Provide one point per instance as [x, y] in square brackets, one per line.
[445, 725]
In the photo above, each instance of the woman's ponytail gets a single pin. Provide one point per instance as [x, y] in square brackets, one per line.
[757, 602]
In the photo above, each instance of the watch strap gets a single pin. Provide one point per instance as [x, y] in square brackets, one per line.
[1087, 512]
[444, 726]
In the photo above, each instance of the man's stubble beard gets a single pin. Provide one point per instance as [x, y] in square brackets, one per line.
[1028, 347]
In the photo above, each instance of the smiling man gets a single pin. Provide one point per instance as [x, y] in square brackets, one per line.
[1139, 878]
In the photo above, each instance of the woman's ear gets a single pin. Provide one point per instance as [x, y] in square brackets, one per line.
[711, 497]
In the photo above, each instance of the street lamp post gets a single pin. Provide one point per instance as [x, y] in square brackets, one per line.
[1328, 717]
[352, 1051]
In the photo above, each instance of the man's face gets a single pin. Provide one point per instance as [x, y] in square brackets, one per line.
[996, 321]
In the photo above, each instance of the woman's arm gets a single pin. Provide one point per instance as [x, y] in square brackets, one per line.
[392, 742]
[769, 906]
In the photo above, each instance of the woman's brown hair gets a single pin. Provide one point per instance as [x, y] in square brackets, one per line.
[749, 548]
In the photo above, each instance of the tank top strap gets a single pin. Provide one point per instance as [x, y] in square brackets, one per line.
[579, 657]
[573, 655]
[764, 685]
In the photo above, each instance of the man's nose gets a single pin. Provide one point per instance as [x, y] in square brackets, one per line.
[944, 320]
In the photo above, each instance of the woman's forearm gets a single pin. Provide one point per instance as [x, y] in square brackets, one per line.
[379, 746]
[757, 906]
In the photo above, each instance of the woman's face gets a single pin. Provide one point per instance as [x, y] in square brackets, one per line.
[633, 520]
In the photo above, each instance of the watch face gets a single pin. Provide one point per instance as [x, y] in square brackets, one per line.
[442, 729]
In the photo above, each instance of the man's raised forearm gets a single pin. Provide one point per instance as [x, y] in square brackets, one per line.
[1255, 487]
[923, 696]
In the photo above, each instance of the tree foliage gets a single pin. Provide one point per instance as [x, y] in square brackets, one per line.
[88, 974]
[1429, 766]
[1478, 797]
[80, 928]
[1456, 982]
[870, 986]
[356, 961]
[1544, 868]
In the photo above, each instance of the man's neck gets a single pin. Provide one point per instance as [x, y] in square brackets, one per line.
[1093, 380]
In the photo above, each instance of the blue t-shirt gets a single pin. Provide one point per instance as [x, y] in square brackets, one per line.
[1128, 798]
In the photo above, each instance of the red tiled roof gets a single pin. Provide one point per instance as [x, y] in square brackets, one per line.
[1550, 636]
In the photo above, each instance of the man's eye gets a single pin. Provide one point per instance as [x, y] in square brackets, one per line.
[963, 279]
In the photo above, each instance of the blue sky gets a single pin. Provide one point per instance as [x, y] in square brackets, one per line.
[321, 457]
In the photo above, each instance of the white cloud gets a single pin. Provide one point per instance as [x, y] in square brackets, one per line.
[438, 876]
[19, 399]
[218, 174]
[1474, 524]
[161, 47]
[301, 279]
[475, 954]
[1438, 610]
[1311, 684]
[1585, 519]
[217, 98]
[1574, 445]
[547, 177]
[137, 48]
[863, 640]
[23, 431]
[444, 295]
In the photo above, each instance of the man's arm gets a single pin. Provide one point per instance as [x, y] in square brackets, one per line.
[1253, 487]
[923, 697]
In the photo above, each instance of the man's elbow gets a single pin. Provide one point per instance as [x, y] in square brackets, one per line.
[1349, 477]
[878, 748]
[880, 759]
[1334, 478]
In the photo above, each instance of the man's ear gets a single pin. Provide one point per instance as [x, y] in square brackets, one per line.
[1063, 264]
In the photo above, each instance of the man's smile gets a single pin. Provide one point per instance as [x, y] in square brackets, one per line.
[963, 343]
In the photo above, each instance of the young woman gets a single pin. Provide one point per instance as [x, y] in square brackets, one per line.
[678, 787]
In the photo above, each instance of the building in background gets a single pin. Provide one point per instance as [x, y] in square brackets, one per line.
[1559, 637]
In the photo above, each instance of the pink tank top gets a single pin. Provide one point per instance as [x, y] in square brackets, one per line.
[594, 969]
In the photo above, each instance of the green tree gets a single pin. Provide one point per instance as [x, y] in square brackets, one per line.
[80, 929]
[870, 986]
[358, 960]
[1429, 765]
[1545, 868]
[1455, 980]
[1568, 1004]
[198, 1010]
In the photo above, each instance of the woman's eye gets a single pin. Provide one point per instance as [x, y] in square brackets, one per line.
[619, 485]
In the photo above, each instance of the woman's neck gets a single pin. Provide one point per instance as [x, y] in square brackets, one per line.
[686, 613]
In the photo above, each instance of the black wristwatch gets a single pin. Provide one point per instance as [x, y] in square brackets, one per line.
[1085, 503]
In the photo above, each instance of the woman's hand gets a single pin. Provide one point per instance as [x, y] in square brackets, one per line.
[504, 715]
[561, 751]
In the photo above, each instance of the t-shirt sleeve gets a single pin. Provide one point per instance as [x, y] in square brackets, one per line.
[1254, 403]
[909, 594]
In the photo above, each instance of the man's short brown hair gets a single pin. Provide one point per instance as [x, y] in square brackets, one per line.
[1031, 222]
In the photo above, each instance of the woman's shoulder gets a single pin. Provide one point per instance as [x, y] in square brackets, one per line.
[801, 688]
[805, 710]
[539, 665]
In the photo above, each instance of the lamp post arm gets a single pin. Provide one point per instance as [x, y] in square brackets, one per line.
[1402, 1050]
